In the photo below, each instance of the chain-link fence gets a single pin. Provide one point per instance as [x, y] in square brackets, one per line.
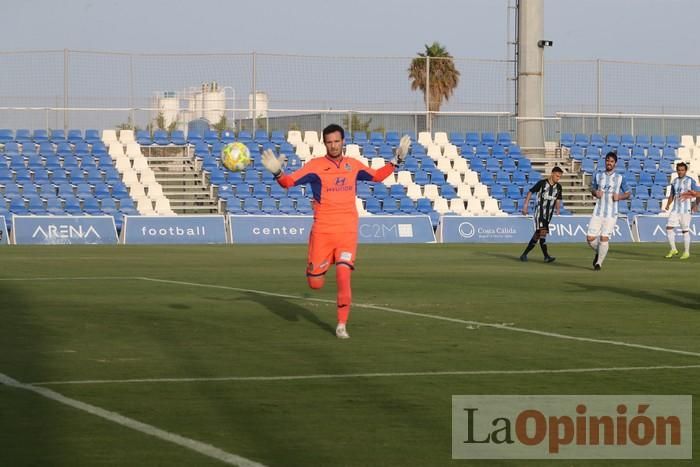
[80, 89]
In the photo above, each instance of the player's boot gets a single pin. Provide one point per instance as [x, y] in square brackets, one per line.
[685, 255]
[595, 261]
[596, 267]
[549, 259]
[341, 332]
[671, 254]
[523, 257]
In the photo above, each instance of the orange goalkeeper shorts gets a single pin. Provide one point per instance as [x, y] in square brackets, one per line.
[328, 248]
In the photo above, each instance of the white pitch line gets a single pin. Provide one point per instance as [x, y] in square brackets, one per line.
[438, 317]
[391, 310]
[202, 448]
[371, 375]
[77, 278]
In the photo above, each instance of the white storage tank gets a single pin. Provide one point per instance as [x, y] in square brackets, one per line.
[261, 105]
[169, 106]
[213, 104]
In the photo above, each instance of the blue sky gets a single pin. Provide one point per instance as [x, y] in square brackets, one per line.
[661, 31]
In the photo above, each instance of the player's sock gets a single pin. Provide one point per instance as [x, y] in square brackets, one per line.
[344, 297]
[602, 251]
[531, 244]
[594, 244]
[543, 246]
[686, 242]
[671, 235]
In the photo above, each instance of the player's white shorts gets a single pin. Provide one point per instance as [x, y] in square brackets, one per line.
[600, 226]
[677, 219]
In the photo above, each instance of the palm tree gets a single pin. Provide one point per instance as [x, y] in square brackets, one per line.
[444, 77]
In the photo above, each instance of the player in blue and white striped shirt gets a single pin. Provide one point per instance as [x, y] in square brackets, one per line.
[608, 188]
[682, 210]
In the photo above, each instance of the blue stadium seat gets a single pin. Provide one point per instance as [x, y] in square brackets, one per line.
[597, 140]
[641, 192]
[380, 191]
[57, 136]
[567, 139]
[643, 140]
[99, 148]
[244, 136]
[304, 206]
[161, 138]
[488, 138]
[447, 191]
[577, 153]
[472, 138]
[587, 166]
[40, 135]
[509, 205]
[581, 139]
[177, 137]
[392, 138]
[627, 140]
[673, 141]
[6, 135]
[373, 205]
[359, 137]
[390, 205]
[227, 137]
[613, 139]
[269, 206]
[276, 191]
[13, 148]
[277, 137]
[457, 138]
[287, 206]
[397, 191]
[421, 177]
[261, 136]
[251, 205]
[503, 138]
[211, 137]
[376, 138]
[23, 135]
[75, 136]
[424, 205]
[92, 136]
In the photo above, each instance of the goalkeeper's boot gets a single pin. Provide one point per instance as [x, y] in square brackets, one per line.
[685, 255]
[671, 253]
[341, 332]
[549, 259]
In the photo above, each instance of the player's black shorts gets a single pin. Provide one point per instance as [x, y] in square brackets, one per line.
[541, 223]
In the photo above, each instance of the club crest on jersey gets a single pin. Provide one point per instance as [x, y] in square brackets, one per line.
[347, 167]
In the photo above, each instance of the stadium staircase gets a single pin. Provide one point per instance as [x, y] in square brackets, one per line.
[184, 184]
[575, 184]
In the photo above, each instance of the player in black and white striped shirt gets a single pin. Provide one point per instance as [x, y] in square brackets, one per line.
[548, 192]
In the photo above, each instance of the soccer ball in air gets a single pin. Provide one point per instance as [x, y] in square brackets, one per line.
[235, 156]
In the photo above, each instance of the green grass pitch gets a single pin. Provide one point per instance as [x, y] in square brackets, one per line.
[210, 359]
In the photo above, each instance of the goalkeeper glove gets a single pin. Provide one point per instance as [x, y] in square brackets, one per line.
[272, 163]
[402, 150]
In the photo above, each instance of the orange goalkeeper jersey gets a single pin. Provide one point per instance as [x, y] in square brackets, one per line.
[334, 184]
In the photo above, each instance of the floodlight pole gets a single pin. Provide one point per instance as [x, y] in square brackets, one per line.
[530, 62]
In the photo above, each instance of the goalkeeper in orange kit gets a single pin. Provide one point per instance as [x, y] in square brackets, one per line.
[333, 181]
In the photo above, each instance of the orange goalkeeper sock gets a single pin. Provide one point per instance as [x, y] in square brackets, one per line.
[342, 276]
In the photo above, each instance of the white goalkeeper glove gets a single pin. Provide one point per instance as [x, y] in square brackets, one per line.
[402, 150]
[272, 163]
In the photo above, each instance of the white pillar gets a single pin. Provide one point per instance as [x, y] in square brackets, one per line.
[530, 75]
